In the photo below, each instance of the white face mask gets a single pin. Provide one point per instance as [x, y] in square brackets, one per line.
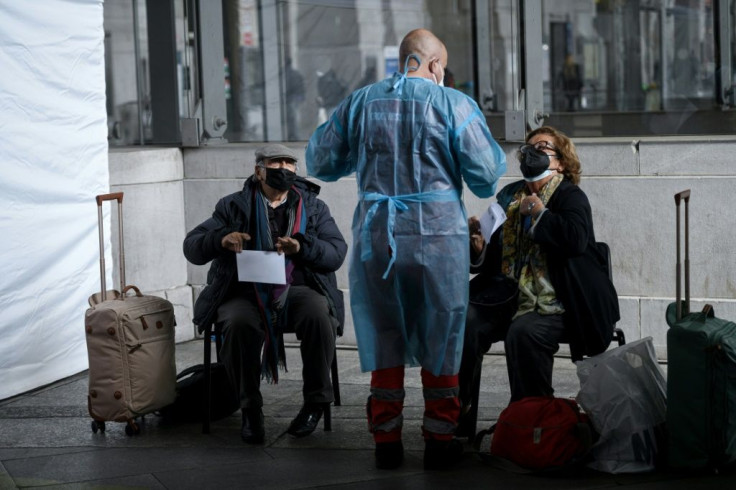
[541, 176]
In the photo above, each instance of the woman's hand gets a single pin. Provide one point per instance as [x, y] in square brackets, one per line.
[476, 238]
[531, 206]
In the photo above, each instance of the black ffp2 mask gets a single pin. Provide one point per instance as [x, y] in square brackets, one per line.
[534, 163]
[280, 178]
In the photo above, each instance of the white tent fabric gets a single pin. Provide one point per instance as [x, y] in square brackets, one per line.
[53, 161]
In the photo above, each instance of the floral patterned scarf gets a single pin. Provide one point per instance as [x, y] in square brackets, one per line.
[522, 259]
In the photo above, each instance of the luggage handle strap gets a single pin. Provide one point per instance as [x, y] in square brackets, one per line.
[123, 294]
[707, 312]
[478, 440]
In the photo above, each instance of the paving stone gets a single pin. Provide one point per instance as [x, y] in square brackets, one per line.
[46, 441]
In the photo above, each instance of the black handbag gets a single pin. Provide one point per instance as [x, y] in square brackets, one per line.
[190, 395]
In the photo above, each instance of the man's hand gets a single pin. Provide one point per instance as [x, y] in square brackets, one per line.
[234, 241]
[287, 246]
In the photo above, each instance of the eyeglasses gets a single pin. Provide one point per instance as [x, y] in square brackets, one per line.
[541, 146]
[279, 162]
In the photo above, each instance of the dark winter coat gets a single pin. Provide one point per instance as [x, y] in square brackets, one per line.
[578, 267]
[322, 249]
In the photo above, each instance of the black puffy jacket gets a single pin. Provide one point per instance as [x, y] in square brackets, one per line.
[322, 252]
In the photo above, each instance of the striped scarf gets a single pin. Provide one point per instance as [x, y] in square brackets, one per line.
[272, 298]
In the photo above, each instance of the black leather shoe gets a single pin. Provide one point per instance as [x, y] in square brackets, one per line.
[253, 430]
[389, 455]
[442, 455]
[307, 419]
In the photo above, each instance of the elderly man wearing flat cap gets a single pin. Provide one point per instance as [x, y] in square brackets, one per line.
[275, 211]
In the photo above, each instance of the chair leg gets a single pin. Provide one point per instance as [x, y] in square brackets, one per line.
[618, 335]
[327, 418]
[335, 391]
[218, 342]
[207, 379]
[335, 380]
[473, 413]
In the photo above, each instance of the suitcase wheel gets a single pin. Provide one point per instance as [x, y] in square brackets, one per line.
[98, 426]
[132, 428]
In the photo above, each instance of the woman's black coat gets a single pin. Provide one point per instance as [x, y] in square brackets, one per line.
[578, 267]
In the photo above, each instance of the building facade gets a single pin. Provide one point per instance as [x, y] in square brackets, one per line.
[644, 87]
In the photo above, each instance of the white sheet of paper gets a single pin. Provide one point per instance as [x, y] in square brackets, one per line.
[491, 220]
[259, 266]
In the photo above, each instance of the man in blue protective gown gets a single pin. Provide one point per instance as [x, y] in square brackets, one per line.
[411, 143]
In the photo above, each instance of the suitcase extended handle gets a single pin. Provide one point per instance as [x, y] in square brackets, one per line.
[683, 196]
[115, 196]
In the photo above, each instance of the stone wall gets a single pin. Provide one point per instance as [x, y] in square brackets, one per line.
[630, 184]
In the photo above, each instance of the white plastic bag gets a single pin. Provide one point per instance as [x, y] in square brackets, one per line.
[623, 390]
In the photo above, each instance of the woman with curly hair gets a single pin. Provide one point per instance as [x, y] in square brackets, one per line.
[546, 250]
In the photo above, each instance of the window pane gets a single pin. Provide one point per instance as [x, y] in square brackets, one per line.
[243, 68]
[187, 87]
[608, 68]
[144, 71]
[729, 84]
[125, 75]
[641, 66]
[328, 48]
[497, 61]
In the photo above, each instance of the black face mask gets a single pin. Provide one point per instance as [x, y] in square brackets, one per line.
[280, 178]
[534, 163]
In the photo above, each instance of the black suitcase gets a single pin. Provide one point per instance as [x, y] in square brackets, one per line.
[701, 377]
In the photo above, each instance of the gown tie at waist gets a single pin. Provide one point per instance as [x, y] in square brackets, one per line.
[394, 203]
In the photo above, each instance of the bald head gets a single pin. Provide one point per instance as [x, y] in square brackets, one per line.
[425, 45]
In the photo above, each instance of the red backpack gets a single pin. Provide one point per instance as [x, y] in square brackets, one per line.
[539, 433]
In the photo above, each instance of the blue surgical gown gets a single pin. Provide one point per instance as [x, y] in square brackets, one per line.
[411, 144]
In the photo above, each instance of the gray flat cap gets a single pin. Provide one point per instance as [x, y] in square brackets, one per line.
[275, 150]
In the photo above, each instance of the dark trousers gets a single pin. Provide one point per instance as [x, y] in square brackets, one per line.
[531, 342]
[243, 337]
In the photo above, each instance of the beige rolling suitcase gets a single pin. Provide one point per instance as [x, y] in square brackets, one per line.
[130, 344]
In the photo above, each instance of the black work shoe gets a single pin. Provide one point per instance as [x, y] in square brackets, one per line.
[307, 419]
[442, 455]
[389, 455]
[253, 431]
